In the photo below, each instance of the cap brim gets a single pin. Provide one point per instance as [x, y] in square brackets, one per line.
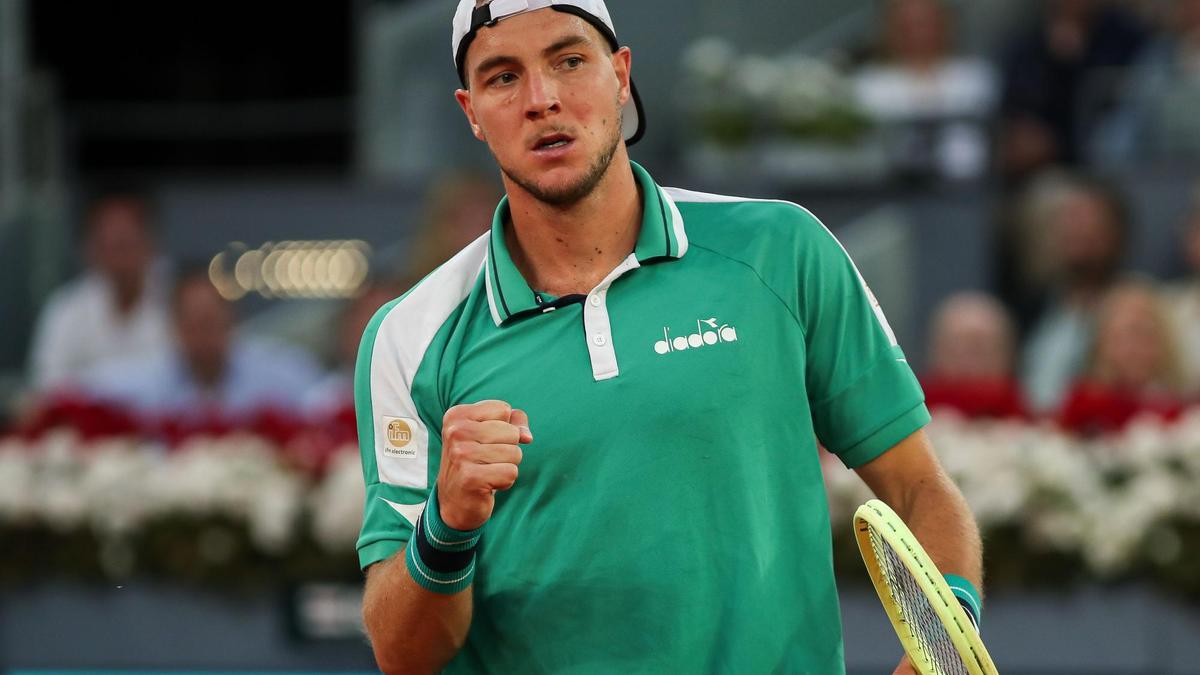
[633, 118]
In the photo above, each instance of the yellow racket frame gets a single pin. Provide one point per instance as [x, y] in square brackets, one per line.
[953, 617]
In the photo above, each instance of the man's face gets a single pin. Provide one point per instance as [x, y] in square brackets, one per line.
[917, 30]
[119, 245]
[972, 342]
[1087, 237]
[204, 325]
[545, 93]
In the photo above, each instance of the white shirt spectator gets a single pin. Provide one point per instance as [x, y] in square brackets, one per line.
[259, 375]
[332, 393]
[80, 328]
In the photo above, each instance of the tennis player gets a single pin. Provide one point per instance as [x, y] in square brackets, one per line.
[590, 438]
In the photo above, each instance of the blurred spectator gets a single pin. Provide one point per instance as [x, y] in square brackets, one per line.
[116, 309]
[971, 359]
[208, 375]
[458, 208]
[933, 101]
[1134, 368]
[1158, 117]
[1060, 77]
[1078, 247]
[336, 390]
[1183, 301]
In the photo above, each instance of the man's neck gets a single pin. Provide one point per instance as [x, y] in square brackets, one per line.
[208, 376]
[564, 250]
[126, 297]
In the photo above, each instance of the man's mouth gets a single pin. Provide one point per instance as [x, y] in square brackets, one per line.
[552, 141]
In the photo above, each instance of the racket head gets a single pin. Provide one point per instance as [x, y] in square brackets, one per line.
[932, 626]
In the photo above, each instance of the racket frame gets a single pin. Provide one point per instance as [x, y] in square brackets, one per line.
[958, 626]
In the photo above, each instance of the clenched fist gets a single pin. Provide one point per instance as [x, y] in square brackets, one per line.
[480, 454]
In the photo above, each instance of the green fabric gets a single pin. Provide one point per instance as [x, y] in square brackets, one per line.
[674, 517]
[379, 537]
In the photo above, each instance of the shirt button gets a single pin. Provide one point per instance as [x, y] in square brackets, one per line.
[595, 300]
[600, 340]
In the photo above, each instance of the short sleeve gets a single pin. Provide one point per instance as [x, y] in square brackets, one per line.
[395, 410]
[863, 394]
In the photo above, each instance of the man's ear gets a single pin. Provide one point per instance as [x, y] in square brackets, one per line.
[463, 97]
[623, 64]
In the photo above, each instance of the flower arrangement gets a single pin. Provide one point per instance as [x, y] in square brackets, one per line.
[1055, 509]
[238, 510]
[734, 99]
[227, 510]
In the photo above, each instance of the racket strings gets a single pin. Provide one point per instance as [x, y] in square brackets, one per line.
[918, 615]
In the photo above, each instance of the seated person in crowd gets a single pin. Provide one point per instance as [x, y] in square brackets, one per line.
[1081, 241]
[1183, 300]
[1134, 368]
[208, 374]
[116, 309]
[971, 359]
[1157, 116]
[1058, 81]
[935, 100]
[335, 392]
[458, 209]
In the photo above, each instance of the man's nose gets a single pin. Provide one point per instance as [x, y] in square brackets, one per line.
[542, 95]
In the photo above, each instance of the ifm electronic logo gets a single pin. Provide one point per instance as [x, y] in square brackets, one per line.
[707, 333]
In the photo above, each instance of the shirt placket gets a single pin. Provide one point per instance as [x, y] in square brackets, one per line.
[597, 324]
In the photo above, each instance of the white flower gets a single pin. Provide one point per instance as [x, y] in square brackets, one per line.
[337, 503]
[275, 509]
[710, 59]
[114, 484]
[757, 78]
[17, 494]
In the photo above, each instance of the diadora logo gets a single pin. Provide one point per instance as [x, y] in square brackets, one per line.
[708, 333]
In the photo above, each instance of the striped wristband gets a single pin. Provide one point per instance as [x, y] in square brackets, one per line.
[967, 596]
[440, 558]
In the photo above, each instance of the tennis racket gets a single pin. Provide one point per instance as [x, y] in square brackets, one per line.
[936, 633]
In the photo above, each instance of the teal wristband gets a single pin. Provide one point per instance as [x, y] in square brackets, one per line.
[967, 596]
[440, 558]
[440, 535]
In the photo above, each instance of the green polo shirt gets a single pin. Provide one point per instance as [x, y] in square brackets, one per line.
[670, 515]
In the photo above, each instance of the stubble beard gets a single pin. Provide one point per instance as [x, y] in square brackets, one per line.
[571, 193]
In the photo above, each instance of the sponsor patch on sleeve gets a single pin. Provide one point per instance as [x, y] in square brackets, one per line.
[402, 451]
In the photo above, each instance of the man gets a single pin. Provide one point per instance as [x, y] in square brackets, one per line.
[207, 372]
[658, 364]
[1084, 239]
[117, 309]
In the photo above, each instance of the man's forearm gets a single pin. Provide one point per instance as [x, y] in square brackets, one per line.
[937, 514]
[911, 480]
[412, 630]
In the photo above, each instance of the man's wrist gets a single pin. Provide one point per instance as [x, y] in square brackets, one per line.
[440, 558]
[968, 596]
[442, 535]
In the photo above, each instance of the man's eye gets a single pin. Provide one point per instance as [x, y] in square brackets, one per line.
[504, 78]
[573, 61]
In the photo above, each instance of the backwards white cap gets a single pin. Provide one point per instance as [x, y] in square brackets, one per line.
[468, 19]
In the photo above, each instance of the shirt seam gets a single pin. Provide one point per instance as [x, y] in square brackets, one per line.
[880, 428]
[795, 318]
[861, 376]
